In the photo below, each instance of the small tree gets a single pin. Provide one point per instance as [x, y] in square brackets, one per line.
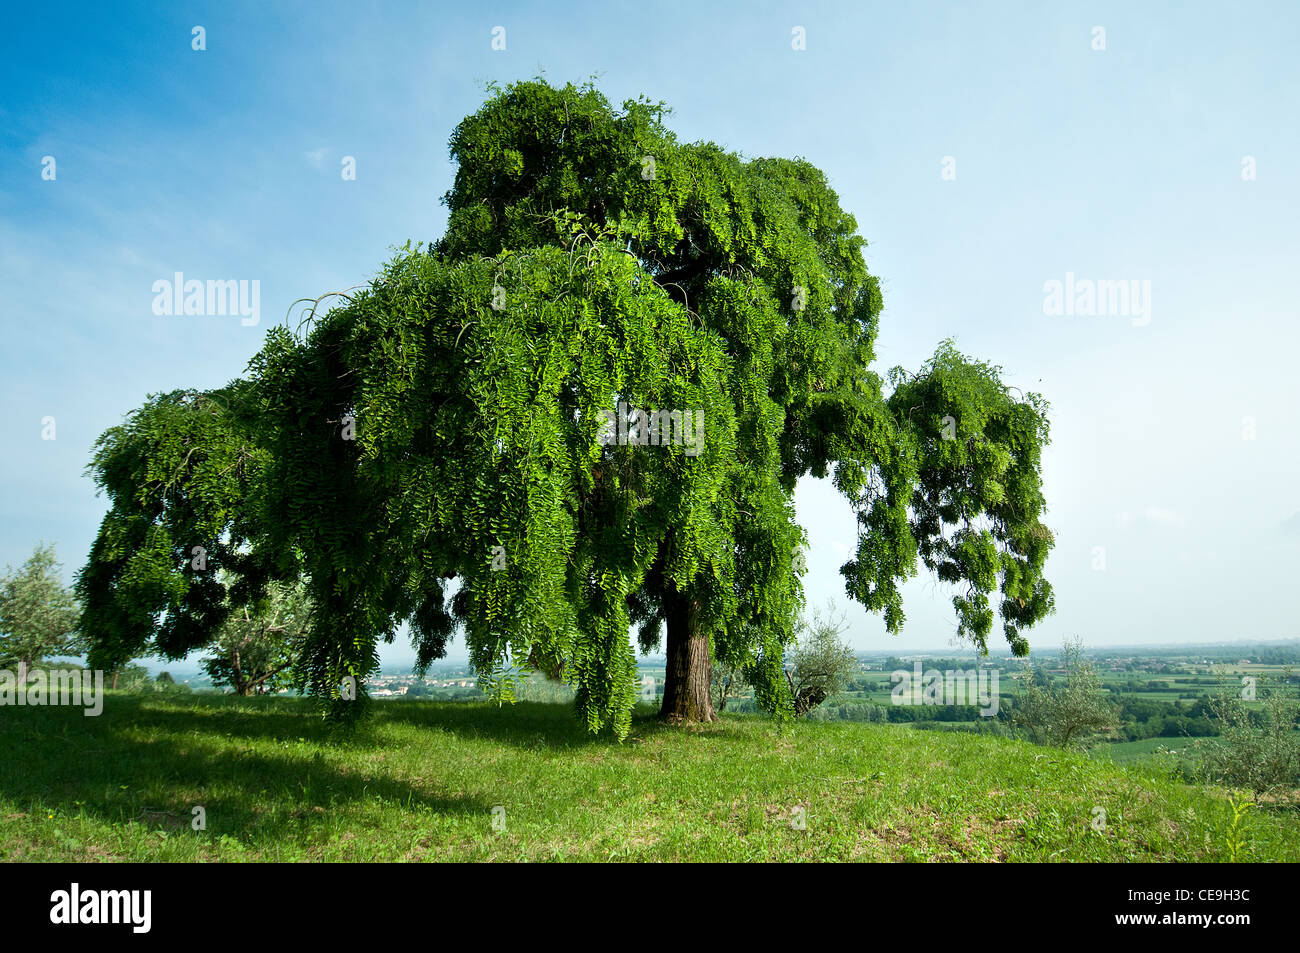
[131, 677]
[728, 682]
[1066, 712]
[1259, 753]
[38, 614]
[821, 661]
[258, 644]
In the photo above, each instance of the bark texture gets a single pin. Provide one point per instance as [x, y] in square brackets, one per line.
[690, 667]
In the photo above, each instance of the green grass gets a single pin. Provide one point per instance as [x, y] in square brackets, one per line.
[419, 781]
[1127, 752]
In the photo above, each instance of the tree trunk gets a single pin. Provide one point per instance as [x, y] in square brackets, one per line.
[242, 685]
[690, 668]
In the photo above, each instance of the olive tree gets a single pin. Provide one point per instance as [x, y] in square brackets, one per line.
[1071, 711]
[822, 662]
[258, 644]
[38, 613]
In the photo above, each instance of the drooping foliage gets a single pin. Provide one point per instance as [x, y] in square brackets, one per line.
[182, 474]
[467, 442]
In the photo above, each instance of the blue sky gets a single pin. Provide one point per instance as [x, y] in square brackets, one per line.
[1175, 440]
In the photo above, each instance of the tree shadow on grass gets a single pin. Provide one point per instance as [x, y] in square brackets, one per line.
[180, 746]
[523, 724]
[290, 719]
[552, 726]
[154, 768]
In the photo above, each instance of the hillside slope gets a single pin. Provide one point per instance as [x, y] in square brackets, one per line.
[421, 781]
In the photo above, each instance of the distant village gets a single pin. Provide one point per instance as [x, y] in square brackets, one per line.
[389, 686]
[452, 681]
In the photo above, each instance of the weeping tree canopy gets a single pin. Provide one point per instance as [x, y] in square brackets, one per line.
[584, 409]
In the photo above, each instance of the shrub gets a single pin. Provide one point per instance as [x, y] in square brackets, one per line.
[1260, 753]
[1068, 712]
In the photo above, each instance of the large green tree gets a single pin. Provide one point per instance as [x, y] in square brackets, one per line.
[585, 408]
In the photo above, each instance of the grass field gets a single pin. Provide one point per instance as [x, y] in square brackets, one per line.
[1127, 752]
[420, 782]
